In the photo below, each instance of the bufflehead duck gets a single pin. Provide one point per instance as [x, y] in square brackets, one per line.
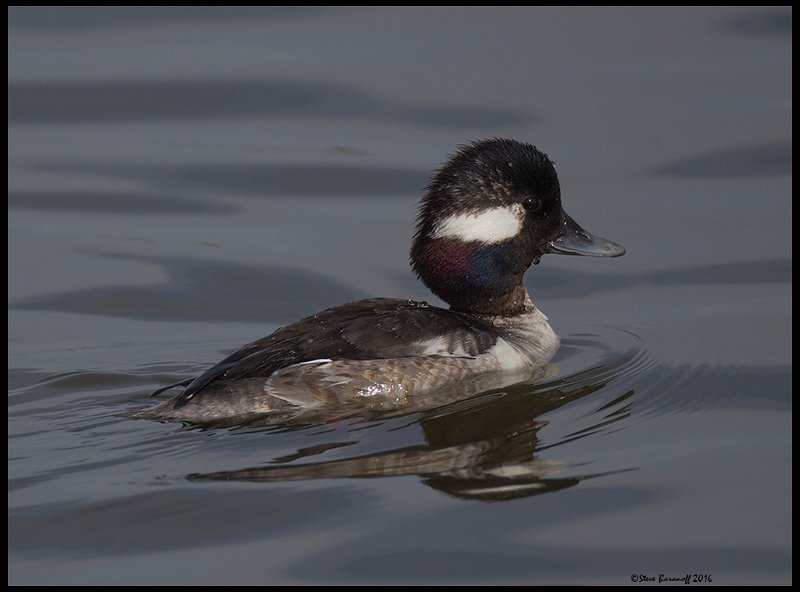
[490, 213]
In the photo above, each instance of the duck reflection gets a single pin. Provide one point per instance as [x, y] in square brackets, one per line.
[480, 448]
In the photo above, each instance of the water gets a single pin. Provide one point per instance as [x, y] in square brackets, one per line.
[183, 181]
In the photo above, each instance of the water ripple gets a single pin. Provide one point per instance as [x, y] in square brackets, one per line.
[484, 447]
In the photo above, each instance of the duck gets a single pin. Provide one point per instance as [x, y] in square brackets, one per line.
[488, 215]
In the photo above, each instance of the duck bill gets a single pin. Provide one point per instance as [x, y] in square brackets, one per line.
[574, 240]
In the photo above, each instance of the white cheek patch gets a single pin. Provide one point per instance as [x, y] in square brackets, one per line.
[492, 225]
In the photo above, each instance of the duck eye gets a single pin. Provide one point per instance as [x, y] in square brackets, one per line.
[532, 204]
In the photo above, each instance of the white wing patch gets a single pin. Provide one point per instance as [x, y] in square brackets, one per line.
[508, 357]
[317, 361]
[440, 346]
[492, 225]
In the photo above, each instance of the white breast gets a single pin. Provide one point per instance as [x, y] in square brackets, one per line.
[528, 341]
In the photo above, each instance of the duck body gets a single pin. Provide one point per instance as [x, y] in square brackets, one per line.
[376, 353]
[489, 214]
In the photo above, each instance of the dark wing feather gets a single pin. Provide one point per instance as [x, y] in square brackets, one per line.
[368, 329]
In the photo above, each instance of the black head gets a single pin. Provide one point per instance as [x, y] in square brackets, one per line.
[490, 213]
[491, 174]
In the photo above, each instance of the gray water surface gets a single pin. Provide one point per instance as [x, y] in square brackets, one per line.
[183, 181]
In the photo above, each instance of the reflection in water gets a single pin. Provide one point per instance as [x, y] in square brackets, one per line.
[201, 290]
[563, 283]
[763, 22]
[114, 203]
[166, 100]
[83, 18]
[750, 161]
[481, 448]
[263, 179]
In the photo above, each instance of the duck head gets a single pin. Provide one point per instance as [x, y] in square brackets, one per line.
[490, 213]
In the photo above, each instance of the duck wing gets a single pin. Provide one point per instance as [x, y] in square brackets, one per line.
[376, 328]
